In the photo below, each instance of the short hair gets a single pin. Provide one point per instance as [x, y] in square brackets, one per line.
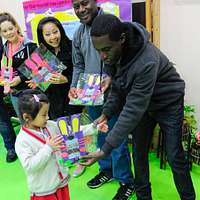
[5, 16]
[107, 24]
[65, 41]
[30, 102]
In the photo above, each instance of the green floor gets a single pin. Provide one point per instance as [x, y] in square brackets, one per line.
[13, 182]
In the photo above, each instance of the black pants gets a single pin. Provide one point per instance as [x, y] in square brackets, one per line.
[170, 121]
[6, 128]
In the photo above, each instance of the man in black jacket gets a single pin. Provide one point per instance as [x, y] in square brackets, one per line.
[146, 90]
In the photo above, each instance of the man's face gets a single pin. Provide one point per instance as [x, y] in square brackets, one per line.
[110, 51]
[86, 10]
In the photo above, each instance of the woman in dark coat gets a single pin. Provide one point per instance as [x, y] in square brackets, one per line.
[51, 34]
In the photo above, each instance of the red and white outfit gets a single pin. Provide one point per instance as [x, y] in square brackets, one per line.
[47, 180]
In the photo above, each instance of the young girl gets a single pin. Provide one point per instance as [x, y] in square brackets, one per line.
[36, 147]
[16, 50]
[51, 34]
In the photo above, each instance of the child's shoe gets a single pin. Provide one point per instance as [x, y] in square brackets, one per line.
[79, 170]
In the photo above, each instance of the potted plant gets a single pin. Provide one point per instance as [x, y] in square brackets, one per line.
[195, 150]
[190, 121]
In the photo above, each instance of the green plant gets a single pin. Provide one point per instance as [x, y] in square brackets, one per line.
[190, 119]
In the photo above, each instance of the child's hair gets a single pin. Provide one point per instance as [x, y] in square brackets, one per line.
[5, 16]
[30, 102]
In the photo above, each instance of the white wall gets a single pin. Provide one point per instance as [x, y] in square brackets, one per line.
[180, 40]
[16, 9]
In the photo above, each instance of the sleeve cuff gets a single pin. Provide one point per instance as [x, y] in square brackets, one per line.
[48, 148]
[107, 148]
[22, 77]
[107, 114]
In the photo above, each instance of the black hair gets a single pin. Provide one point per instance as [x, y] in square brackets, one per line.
[107, 24]
[65, 42]
[30, 102]
[111, 25]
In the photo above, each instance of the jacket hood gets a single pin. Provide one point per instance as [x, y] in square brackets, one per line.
[24, 44]
[141, 31]
[137, 39]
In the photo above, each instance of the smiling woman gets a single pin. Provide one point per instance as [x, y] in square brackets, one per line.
[15, 51]
[51, 34]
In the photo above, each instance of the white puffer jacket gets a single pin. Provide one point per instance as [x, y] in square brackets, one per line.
[40, 162]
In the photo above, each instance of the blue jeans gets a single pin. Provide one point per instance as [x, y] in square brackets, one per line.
[14, 101]
[6, 128]
[118, 165]
[170, 121]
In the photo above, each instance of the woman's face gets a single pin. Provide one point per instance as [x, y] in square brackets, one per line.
[9, 31]
[51, 34]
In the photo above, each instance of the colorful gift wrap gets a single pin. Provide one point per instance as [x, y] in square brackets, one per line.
[89, 90]
[79, 139]
[40, 66]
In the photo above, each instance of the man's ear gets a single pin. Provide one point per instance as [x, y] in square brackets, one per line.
[26, 117]
[123, 38]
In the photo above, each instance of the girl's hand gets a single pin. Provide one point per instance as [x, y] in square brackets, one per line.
[16, 81]
[56, 142]
[58, 78]
[31, 84]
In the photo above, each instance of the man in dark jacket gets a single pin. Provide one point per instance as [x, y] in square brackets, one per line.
[146, 90]
[87, 60]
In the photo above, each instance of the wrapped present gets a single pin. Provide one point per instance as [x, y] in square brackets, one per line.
[79, 139]
[89, 90]
[40, 66]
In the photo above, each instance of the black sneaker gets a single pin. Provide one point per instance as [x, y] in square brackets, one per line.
[98, 180]
[11, 156]
[124, 192]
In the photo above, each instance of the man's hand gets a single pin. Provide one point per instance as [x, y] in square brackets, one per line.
[91, 158]
[102, 127]
[16, 81]
[105, 83]
[102, 123]
[72, 93]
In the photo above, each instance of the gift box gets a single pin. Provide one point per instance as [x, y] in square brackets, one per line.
[80, 138]
[40, 66]
[89, 90]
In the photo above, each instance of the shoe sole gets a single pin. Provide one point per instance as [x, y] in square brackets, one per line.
[97, 186]
[12, 160]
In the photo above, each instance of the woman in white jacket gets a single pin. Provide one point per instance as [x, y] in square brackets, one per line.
[37, 147]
